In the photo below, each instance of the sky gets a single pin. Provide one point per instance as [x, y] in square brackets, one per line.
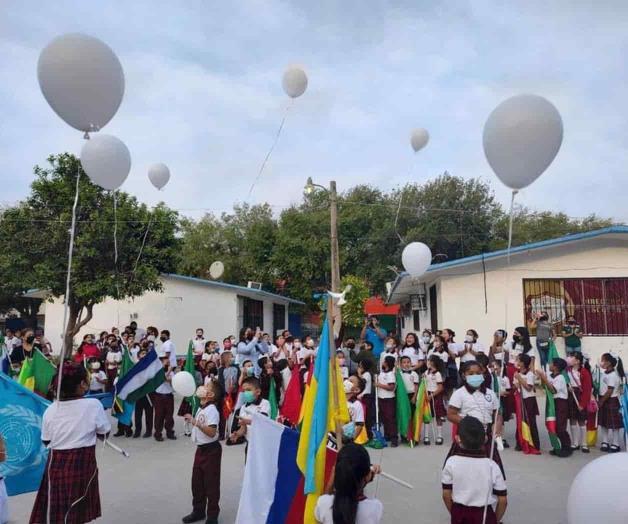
[203, 94]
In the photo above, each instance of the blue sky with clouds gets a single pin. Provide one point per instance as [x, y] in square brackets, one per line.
[203, 93]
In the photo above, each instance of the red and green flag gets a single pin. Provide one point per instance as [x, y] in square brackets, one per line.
[422, 412]
[550, 418]
[404, 410]
[524, 435]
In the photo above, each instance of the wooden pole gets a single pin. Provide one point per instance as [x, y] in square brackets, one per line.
[332, 369]
[335, 257]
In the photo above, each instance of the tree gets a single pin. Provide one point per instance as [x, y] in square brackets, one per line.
[353, 310]
[34, 242]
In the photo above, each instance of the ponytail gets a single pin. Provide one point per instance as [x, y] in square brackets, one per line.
[353, 465]
[620, 368]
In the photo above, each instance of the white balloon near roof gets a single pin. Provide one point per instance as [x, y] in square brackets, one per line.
[419, 139]
[159, 174]
[521, 138]
[183, 383]
[416, 258]
[82, 80]
[598, 493]
[106, 160]
[294, 81]
[216, 269]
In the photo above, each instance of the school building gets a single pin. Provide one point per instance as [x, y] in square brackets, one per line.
[585, 275]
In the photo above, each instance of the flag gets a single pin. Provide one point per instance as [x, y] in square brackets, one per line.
[292, 399]
[552, 352]
[524, 435]
[624, 407]
[404, 410]
[143, 378]
[592, 415]
[5, 361]
[422, 411]
[190, 368]
[550, 418]
[272, 399]
[26, 377]
[21, 413]
[123, 409]
[318, 419]
[37, 373]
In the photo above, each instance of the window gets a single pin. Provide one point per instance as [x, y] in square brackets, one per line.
[279, 319]
[252, 313]
[600, 305]
[415, 320]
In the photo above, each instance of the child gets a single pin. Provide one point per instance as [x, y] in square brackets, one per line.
[253, 403]
[143, 408]
[472, 481]
[347, 503]
[610, 419]
[558, 386]
[353, 386]
[410, 379]
[366, 396]
[163, 403]
[482, 360]
[524, 380]
[4, 498]
[342, 364]
[386, 400]
[506, 408]
[98, 378]
[435, 393]
[70, 428]
[580, 389]
[208, 456]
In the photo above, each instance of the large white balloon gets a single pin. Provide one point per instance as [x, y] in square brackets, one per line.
[416, 258]
[106, 160]
[419, 138]
[82, 80]
[598, 493]
[183, 383]
[521, 139]
[294, 81]
[159, 174]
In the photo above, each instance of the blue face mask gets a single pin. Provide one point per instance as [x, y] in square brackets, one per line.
[248, 397]
[475, 381]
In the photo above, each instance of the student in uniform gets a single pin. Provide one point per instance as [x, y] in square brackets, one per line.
[505, 405]
[410, 379]
[580, 390]
[366, 396]
[143, 409]
[471, 480]
[386, 384]
[446, 348]
[524, 381]
[69, 429]
[558, 386]
[97, 377]
[610, 419]
[435, 394]
[347, 503]
[253, 403]
[208, 456]
[353, 387]
[412, 348]
[163, 403]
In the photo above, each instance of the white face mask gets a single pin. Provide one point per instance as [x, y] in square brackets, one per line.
[426, 339]
[348, 385]
[150, 338]
[468, 338]
[95, 365]
[390, 346]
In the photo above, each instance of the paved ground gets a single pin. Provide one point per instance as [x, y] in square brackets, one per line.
[153, 486]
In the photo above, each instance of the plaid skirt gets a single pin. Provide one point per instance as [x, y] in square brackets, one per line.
[574, 412]
[437, 407]
[74, 495]
[610, 415]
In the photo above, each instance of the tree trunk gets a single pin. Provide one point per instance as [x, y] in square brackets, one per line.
[75, 323]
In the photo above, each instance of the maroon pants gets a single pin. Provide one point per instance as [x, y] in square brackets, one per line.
[471, 515]
[369, 403]
[387, 408]
[143, 407]
[206, 479]
[562, 415]
[164, 412]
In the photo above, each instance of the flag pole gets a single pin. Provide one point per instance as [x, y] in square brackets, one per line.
[332, 370]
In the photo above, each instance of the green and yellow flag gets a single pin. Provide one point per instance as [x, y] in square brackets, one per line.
[37, 373]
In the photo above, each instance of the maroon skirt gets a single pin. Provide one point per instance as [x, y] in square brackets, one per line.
[609, 416]
[461, 514]
[574, 412]
[74, 495]
[437, 407]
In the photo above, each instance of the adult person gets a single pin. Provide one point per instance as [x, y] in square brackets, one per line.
[43, 342]
[250, 347]
[366, 353]
[572, 334]
[372, 332]
[168, 348]
[69, 430]
[544, 333]
[87, 349]
[199, 342]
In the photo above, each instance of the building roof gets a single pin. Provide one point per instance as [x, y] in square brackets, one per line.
[239, 289]
[524, 248]
[377, 306]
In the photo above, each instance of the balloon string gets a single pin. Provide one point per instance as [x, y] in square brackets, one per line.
[510, 221]
[66, 305]
[272, 147]
[137, 260]
[115, 228]
[401, 203]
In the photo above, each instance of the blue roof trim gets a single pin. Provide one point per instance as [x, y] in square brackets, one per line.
[517, 249]
[234, 287]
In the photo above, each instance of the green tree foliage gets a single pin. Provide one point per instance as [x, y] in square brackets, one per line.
[353, 310]
[34, 241]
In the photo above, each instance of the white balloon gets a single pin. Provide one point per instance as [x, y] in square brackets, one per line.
[159, 174]
[216, 269]
[106, 160]
[183, 383]
[419, 138]
[416, 258]
[82, 80]
[598, 493]
[294, 81]
[521, 139]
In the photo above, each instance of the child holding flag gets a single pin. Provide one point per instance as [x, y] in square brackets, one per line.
[386, 385]
[353, 387]
[435, 392]
[580, 389]
[557, 386]
[610, 419]
[524, 380]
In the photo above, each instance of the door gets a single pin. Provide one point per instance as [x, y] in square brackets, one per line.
[433, 308]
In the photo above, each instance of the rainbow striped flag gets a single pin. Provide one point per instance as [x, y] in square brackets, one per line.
[422, 412]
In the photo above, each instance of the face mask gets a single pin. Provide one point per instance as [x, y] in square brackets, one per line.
[351, 345]
[163, 339]
[348, 385]
[248, 396]
[475, 381]
[310, 343]
[250, 371]
[96, 365]
[150, 338]
[348, 430]
[468, 338]
[425, 339]
[390, 346]
[571, 361]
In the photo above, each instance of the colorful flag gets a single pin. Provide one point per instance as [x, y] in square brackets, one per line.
[144, 378]
[624, 406]
[592, 415]
[21, 413]
[550, 418]
[404, 410]
[524, 435]
[422, 411]
[292, 399]
[5, 361]
[272, 399]
[37, 373]
[123, 409]
[190, 368]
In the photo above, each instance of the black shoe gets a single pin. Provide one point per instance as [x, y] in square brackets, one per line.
[553, 453]
[211, 520]
[575, 448]
[585, 449]
[159, 438]
[439, 441]
[394, 444]
[426, 442]
[517, 447]
[614, 449]
[604, 447]
[505, 442]
[148, 434]
[119, 433]
[137, 434]
[171, 437]
[195, 516]
[129, 432]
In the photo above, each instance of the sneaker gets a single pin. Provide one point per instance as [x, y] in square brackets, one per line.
[439, 441]
[585, 449]
[506, 445]
[499, 442]
[604, 447]
[614, 449]
[426, 442]
[195, 516]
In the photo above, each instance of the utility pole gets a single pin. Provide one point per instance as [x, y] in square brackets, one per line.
[335, 261]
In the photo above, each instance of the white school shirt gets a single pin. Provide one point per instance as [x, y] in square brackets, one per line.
[94, 385]
[610, 380]
[472, 479]
[72, 424]
[574, 377]
[444, 356]
[356, 411]
[199, 345]
[165, 388]
[344, 371]
[560, 385]
[387, 353]
[479, 405]
[409, 380]
[504, 383]
[432, 380]
[370, 511]
[368, 384]
[477, 347]
[386, 378]
[113, 358]
[515, 352]
[529, 377]
[168, 348]
[415, 355]
[207, 416]
[455, 347]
